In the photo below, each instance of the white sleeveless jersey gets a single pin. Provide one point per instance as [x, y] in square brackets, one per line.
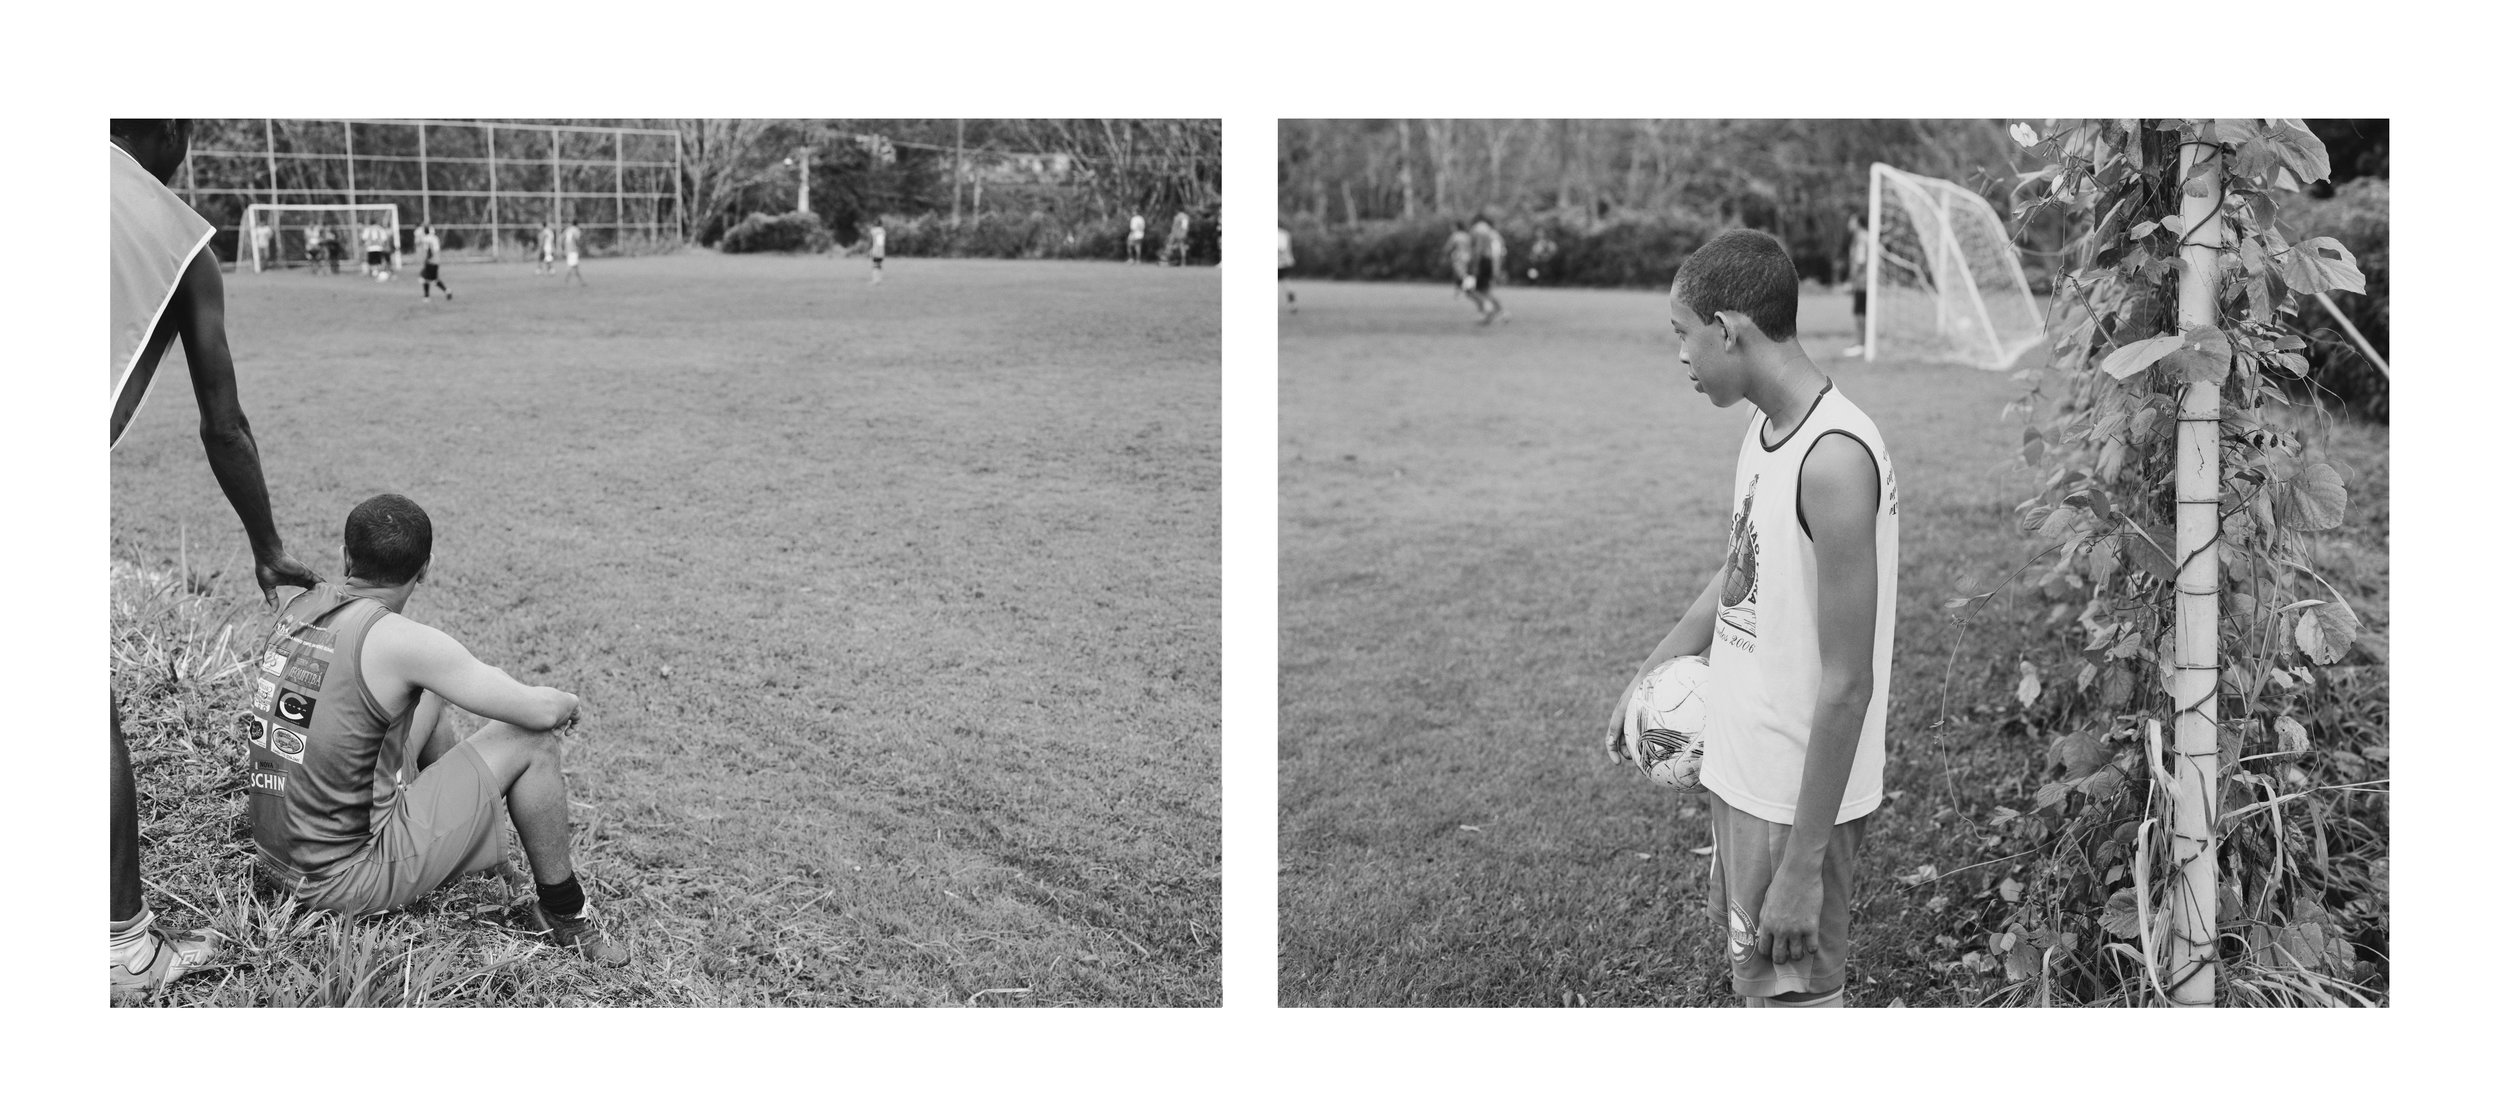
[1766, 663]
[155, 236]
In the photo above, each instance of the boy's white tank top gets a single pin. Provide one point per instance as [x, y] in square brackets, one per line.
[1766, 663]
[154, 236]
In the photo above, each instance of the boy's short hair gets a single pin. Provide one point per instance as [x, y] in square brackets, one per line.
[389, 539]
[1742, 270]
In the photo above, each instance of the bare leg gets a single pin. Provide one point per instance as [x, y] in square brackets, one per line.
[530, 767]
[125, 880]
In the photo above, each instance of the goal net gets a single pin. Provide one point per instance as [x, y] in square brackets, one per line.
[278, 235]
[1943, 282]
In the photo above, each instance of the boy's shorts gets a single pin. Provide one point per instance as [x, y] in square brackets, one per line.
[572, 258]
[1746, 854]
[1857, 302]
[446, 824]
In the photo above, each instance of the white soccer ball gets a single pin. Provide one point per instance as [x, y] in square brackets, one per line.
[1669, 717]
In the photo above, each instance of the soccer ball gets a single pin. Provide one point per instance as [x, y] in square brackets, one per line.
[1668, 713]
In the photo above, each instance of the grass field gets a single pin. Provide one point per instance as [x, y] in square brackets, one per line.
[1482, 532]
[893, 610]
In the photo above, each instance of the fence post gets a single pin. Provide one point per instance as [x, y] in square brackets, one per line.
[2196, 603]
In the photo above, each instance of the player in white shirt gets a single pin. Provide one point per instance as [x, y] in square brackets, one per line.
[429, 275]
[876, 251]
[546, 248]
[1284, 262]
[573, 253]
[1136, 237]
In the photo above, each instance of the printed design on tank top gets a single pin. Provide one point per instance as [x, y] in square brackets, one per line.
[1739, 599]
[292, 666]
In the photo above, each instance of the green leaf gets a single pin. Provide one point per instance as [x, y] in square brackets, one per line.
[2130, 360]
[2321, 265]
[2021, 962]
[2146, 228]
[2313, 500]
[2195, 364]
[2326, 632]
[2075, 755]
[2024, 136]
[2028, 691]
[2118, 915]
[2237, 131]
[2301, 152]
[2290, 735]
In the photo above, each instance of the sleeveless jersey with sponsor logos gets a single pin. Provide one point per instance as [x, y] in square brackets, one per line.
[326, 760]
[1766, 663]
[155, 236]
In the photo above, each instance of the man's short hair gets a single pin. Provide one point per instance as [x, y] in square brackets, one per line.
[1742, 270]
[389, 540]
[139, 128]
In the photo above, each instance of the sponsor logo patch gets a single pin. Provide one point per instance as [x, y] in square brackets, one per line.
[273, 662]
[306, 672]
[258, 730]
[295, 708]
[287, 742]
[262, 695]
[269, 782]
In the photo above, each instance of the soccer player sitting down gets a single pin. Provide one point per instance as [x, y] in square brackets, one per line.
[363, 797]
[1797, 626]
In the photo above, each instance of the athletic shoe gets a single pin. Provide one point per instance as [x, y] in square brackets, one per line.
[1852, 351]
[585, 934]
[159, 958]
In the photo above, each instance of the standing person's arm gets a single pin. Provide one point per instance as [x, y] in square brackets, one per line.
[198, 313]
[1690, 636]
[1838, 494]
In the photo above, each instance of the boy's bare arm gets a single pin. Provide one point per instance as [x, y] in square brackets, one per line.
[198, 311]
[1838, 493]
[1690, 636]
[402, 651]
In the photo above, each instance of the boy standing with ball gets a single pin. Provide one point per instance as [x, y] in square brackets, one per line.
[1797, 626]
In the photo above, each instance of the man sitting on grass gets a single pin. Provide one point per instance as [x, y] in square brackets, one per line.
[363, 797]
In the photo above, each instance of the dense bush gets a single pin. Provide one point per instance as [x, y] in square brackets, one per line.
[1038, 235]
[2355, 216]
[1639, 251]
[789, 231]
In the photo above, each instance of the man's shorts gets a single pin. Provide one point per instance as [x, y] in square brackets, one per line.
[373, 258]
[446, 824]
[1747, 853]
[1484, 274]
[572, 258]
[429, 273]
[1857, 302]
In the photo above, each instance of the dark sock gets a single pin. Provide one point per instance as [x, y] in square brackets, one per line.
[563, 899]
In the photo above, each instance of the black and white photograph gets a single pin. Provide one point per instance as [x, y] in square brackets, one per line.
[687, 562]
[1833, 563]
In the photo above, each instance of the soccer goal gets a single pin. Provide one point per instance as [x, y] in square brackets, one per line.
[1943, 281]
[278, 235]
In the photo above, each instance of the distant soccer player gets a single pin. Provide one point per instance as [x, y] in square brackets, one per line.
[1797, 625]
[1136, 237]
[1284, 262]
[1176, 246]
[1486, 248]
[1461, 249]
[573, 253]
[876, 251]
[546, 249]
[166, 284]
[429, 274]
[264, 246]
[363, 795]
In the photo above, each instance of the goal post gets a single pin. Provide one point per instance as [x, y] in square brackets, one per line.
[1943, 281]
[280, 235]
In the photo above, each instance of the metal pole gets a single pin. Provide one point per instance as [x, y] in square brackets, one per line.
[269, 135]
[425, 183]
[350, 128]
[677, 181]
[618, 231]
[555, 163]
[1874, 250]
[2197, 603]
[958, 217]
[494, 218]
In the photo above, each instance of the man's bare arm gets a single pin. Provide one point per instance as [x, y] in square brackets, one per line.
[1838, 493]
[198, 312]
[403, 651]
[1690, 636]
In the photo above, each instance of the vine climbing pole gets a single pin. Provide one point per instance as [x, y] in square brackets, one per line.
[2191, 910]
